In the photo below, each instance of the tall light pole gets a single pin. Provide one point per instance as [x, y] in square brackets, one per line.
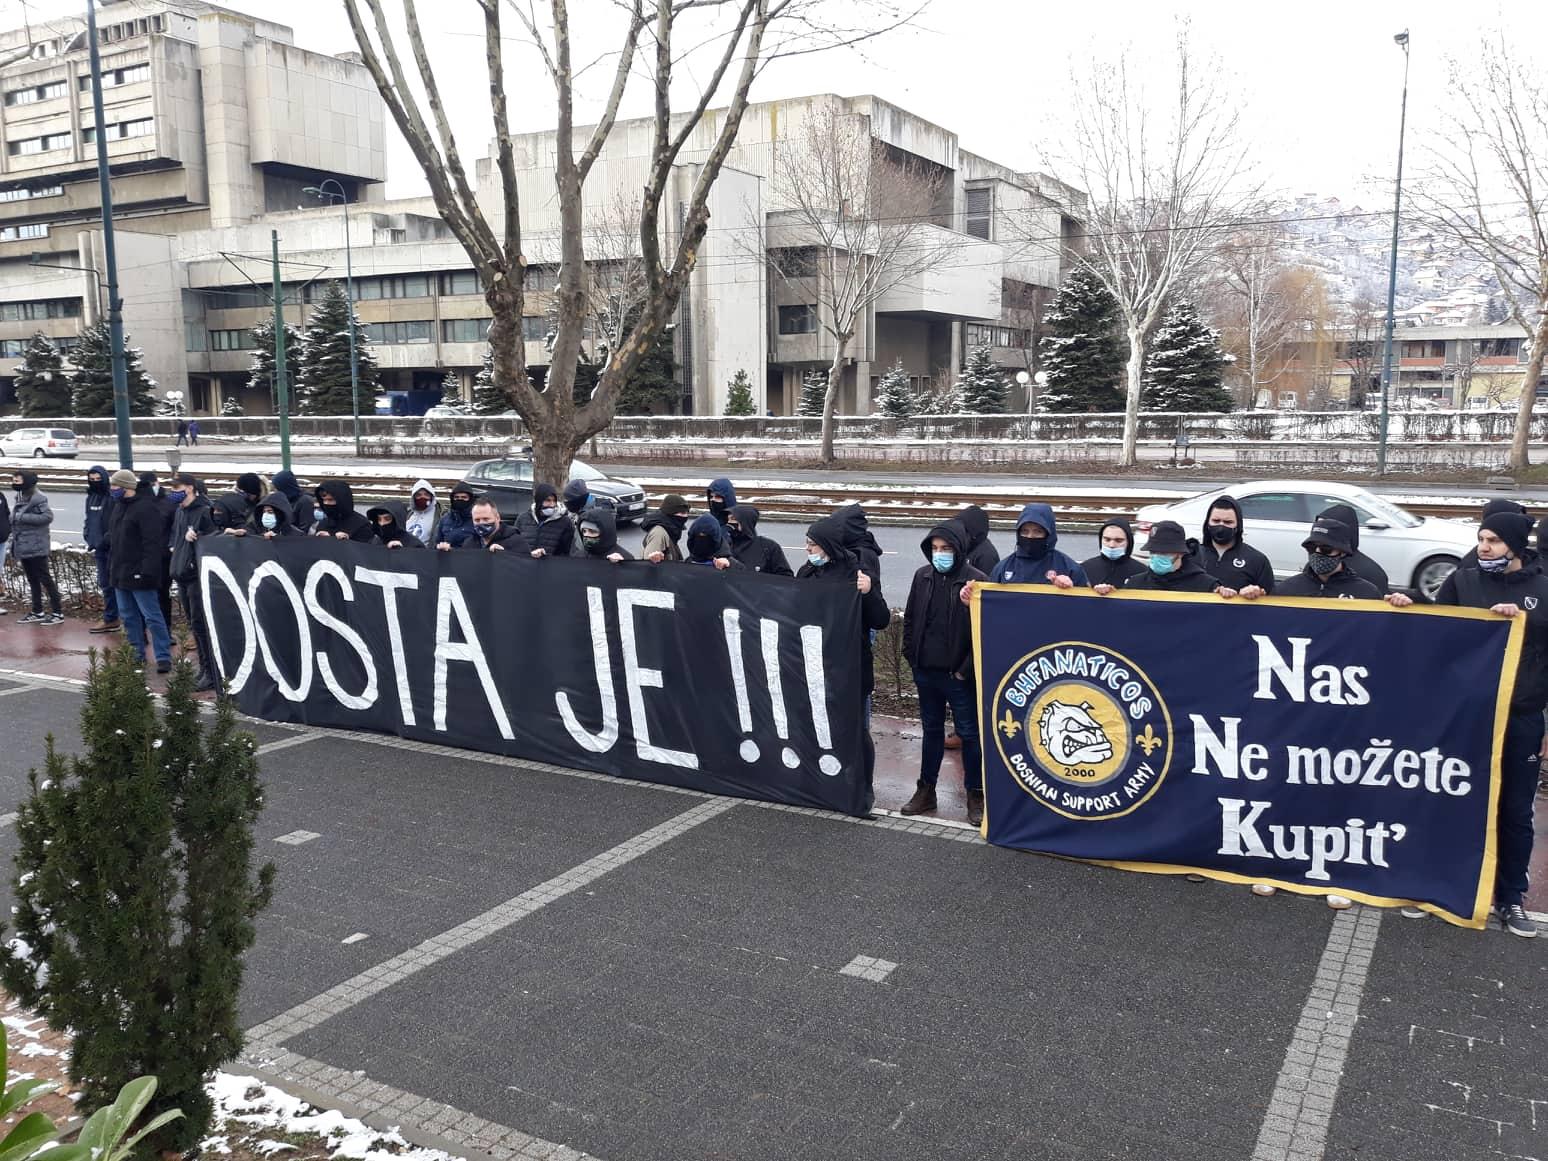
[322, 191]
[1401, 40]
[110, 253]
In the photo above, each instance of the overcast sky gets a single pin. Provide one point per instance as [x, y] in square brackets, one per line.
[1320, 80]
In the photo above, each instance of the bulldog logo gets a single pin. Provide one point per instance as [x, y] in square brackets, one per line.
[1072, 735]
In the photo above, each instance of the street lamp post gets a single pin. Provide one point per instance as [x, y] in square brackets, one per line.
[322, 191]
[1401, 40]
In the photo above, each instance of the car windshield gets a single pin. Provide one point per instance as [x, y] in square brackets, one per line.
[1385, 509]
[580, 471]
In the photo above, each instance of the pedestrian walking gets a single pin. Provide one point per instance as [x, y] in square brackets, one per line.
[139, 536]
[94, 531]
[195, 519]
[182, 433]
[193, 432]
[31, 544]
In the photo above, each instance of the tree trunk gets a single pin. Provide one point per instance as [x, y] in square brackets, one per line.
[830, 400]
[553, 451]
[1128, 456]
[1520, 460]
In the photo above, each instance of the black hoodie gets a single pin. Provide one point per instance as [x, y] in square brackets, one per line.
[1527, 588]
[843, 567]
[1357, 562]
[857, 537]
[605, 521]
[301, 507]
[672, 525]
[1101, 571]
[198, 516]
[756, 553]
[1235, 565]
[1187, 577]
[394, 531]
[981, 553]
[342, 517]
[937, 626]
[285, 524]
[1344, 585]
[554, 536]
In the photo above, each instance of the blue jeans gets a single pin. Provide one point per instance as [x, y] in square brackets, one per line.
[141, 610]
[109, 593]
[938, 689]
[1518, 798]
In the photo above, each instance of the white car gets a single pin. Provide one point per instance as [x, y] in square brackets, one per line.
[447, 411]
[1417, 552]
[39, 443]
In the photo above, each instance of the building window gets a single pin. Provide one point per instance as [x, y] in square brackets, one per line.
[395, 333]
[463, 330]
[534, 328]
[25, 193]
[979, 206]
[195, 337]
[798, 320]
[45, 144]
[236, 340]
[18, 233]
[393, 286]
[1423, 349]
[461, 282]
[796, 261]
[35, 94]
[122, 130]
[40, 309]
[114, 78]
[981, 335]
[1499, 348]
[542, 277]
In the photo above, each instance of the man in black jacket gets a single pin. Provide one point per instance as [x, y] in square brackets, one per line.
[337, 516]
[1328, 573]
[489, 535]
[547, 527]
[938, 645]
[1227, 557]
[195, 519]
[598, 529]
[1173, 567]
[94, 531]
[981, 553]
[756, 553]
[139, 536]
[388, 521]
[1364, 567]
[1508, 581]
[1114, 562]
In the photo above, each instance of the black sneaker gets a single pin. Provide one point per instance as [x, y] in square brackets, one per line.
[53, 619]
[32, 619]
[1514, 919]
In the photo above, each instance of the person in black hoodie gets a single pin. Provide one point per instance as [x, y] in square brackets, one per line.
[598, 528]
[1363, 566]
[1508, 581]
[858, 538]
[490, 535]
[194, 519]
[663, 529]
[707, 545]
[94, 531]
[547, 526]
[938, 645]
[5, 536]
[1174, 568]
[457, 525]
[1329, 572]
[756, 553]
[303, 511]
[720, 498]
[274, 519]
[337, 516]
[139, 542]
[1114, 562]
[827, 559]
[387, 520]
[981, 553]
[1226, 556]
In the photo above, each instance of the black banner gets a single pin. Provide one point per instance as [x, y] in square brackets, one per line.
[731, 683]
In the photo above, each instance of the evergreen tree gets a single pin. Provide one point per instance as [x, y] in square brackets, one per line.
[325, 386]
[91, 386]
[894, 399]
[136, 893]
[451, 390]
[487, 398]
[1082, 349]
[739, 396]
[42, 388]
[981, 388]
[261, 376]
[232, 406]
[1183, 368]
[652, 387]
[814, 390]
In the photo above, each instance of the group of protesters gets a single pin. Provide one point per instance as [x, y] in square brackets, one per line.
[143, 535]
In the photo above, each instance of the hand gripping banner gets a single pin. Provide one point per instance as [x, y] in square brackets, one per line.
[1320, 746]
[733, 684]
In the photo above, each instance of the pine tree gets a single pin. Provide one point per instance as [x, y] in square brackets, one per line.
[451, 390]
[1082, 349]
[325, 384]
[652, 387]
[136, 893]
[232, 406]
[1182, 371]
[91, 386]
[894, 399]
[981, 388]
[487, 398]
[42, 388]
[261, 376]
[814, 391]
[739, 396]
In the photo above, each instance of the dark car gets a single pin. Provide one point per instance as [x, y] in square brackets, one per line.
[508, 482]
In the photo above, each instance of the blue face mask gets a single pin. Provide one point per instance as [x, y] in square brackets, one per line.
[269, 520]
[1161, 565]
[483, 529]
[943, 560]
[1113, 553]
[1498, 565]
[117, 493]
[816, 559]
[177, 497]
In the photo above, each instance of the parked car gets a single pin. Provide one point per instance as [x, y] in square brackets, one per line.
[508, 482]
[1417, 552]
[39, 443]
[448, 411]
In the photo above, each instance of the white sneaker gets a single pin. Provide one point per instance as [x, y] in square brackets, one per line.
[1411, 913]
[1264, 889]
[1340, 902]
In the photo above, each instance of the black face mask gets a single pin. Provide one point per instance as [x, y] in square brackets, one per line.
[1324, 566]
[1032, 547]
[677, 523]
[463, 505]
[738, 533]
[1221, 534]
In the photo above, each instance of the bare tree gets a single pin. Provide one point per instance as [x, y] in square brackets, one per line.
[1164, 181]
[1488, 190]
[1361, 348]
[1259, 302]
[856, 223]
[740, 36]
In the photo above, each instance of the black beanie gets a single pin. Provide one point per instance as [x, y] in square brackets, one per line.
[249, 484]
[1501, 505]
[1511, 527]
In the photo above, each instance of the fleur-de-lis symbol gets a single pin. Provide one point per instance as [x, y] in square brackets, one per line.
[1148, 741]
[1010, 727]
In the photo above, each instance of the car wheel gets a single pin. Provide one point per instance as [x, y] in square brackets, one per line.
[38, 453]
[1431, 574]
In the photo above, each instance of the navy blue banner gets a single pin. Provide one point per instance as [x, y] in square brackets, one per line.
[1321, 746]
